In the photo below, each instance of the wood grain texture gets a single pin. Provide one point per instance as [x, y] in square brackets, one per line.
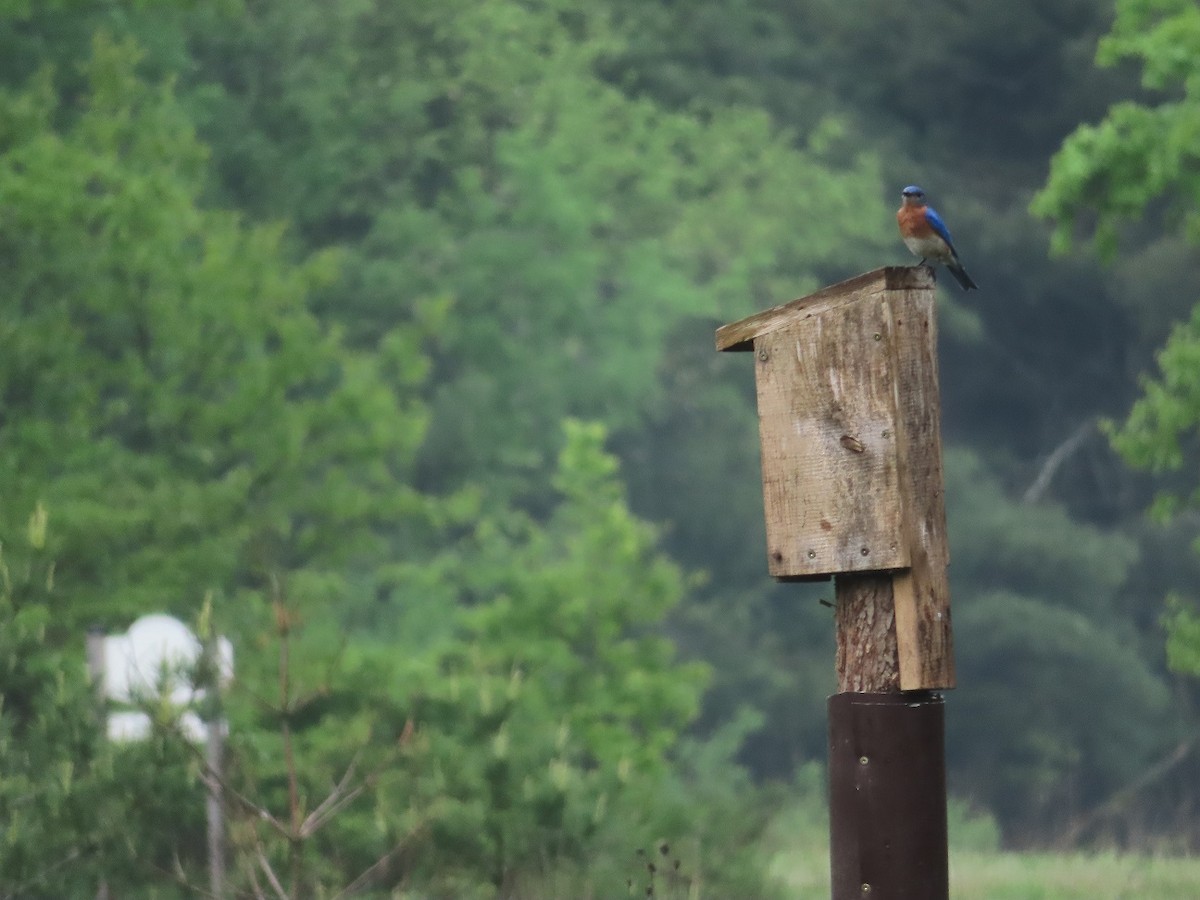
[827, 426]
[740, 335]
[867, 654]
[922, 593]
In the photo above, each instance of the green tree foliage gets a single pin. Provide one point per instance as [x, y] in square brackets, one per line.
[1141, 159]
[584, 241]
[528, 747]
[48, 737]
[165, 389]
[1039, 626]
[974, 116]
[1047, 752]
[1141, 152]
[1159, 433]
[568, 227]
[459, 223]
[932, 95]
[1183, 637]
[78, 813]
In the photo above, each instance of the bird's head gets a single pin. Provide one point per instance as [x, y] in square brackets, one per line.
[913, 195]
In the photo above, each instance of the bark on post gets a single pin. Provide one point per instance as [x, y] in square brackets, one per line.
[867, 661]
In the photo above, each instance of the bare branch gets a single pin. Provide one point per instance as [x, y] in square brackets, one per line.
[37, 876]
[377, 868]
[253, 873]
[211, 779]
[1125, 795]
[337, 799]
[265, 865]
[1054, 461]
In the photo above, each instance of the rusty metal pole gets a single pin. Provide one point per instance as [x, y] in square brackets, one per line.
[887, 796]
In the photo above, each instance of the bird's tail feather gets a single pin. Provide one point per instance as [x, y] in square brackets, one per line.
[961, 276]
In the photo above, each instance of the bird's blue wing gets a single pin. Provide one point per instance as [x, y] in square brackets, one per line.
[936, 223]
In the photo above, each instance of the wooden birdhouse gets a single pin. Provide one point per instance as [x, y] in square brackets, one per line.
[849, 413]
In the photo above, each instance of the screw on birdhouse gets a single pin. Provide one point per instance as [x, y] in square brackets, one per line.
[812, 554]
[878, 336]
[865, 551]
[851, 443]
[862, 760]
[763, 355]
[866, 889]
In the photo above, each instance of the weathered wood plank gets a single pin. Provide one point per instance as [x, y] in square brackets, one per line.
[740, 335]
[922, 594]
[827, 425]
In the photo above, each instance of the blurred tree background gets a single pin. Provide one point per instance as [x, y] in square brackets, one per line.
[385, 329]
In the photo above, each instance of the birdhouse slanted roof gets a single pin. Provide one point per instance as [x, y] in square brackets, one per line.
[740, 335]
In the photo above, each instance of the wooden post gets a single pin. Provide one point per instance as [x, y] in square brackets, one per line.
[867, 657]
[849, 416]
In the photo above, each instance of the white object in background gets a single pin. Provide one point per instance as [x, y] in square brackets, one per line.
[153, 658]
[135, 726]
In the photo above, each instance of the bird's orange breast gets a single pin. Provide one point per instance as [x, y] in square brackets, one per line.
[912, 222]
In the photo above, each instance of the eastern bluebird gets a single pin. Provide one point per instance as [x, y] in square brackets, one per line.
[925, 234]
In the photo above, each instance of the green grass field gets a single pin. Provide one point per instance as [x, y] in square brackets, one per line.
[978, 869]
[979, 875]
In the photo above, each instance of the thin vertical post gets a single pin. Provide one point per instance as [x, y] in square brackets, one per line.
[96, 663]
[214, 805]
[95, 658]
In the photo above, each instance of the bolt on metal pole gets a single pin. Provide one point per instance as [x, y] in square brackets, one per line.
[887, 796]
